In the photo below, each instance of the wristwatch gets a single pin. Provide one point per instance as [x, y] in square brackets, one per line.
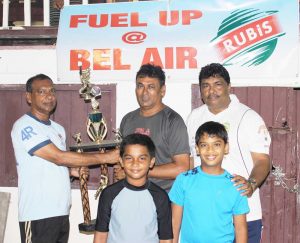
[253, 183]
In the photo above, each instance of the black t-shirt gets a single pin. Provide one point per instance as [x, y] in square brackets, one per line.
[134, 214]
[168, 132]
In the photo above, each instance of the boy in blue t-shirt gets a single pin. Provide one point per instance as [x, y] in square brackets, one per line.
[206, 206]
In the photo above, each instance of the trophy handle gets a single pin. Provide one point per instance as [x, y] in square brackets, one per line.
[88, 225]
[104, 180]
[85, 198]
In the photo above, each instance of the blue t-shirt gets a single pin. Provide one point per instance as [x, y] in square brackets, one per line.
[209, 203]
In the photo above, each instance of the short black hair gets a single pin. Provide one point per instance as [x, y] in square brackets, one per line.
[214, 70]
[212, 128]
[152, 71]
[34, 78]
[140, 139]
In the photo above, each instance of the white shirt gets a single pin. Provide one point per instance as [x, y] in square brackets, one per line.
[44, 187]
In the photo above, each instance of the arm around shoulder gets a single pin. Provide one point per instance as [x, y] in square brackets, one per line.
[261, 168]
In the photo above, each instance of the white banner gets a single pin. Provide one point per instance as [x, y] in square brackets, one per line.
[256, 40]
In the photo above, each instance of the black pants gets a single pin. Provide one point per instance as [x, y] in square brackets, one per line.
[48, 230]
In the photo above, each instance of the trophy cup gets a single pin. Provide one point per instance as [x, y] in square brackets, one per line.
[96, 128]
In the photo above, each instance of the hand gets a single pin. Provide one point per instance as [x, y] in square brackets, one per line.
[113, 156]
[119, 173]
[243, 185]
[76, 171]
[58, 4]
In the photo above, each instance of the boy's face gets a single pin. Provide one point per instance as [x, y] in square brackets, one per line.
[211, 150]
[136, 163]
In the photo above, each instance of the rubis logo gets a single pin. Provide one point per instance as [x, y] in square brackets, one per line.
[248, 37]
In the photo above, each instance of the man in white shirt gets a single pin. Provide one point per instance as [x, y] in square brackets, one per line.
[249, 140]
[42, 164]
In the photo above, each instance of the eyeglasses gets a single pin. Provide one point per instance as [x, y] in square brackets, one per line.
[44, 92]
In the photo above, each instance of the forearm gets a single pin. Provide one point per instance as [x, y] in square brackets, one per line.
[260, 170]
[172, 169]
[177, 212]
[166, 241]
[176, 236]
[260, 173]
[73, 159]
[241, 229]
[165, 171]
[100, 237]
[241, 236]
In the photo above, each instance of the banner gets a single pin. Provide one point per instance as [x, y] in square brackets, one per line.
[257, 40]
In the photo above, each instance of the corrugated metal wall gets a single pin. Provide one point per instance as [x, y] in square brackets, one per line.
[280, 108]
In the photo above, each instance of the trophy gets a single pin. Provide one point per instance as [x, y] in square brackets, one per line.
[96, 128]
[96, 125]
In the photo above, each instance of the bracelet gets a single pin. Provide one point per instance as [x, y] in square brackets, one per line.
[253, 183]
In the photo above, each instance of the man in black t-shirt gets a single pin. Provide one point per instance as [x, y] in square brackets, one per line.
[165, 126]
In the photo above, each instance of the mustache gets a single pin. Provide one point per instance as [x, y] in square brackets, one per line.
[212, 96]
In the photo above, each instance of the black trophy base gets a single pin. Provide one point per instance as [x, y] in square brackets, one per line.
[87, 228]
[94, 146]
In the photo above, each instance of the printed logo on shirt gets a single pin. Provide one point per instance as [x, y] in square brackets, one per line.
[27, 133]
[144, 131]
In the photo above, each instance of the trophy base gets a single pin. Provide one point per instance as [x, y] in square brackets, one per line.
[94, 146]
[87, 228]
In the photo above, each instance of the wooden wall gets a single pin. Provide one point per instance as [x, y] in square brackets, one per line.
[280, 109]
[71, 112]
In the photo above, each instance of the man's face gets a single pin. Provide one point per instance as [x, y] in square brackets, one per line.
[136, 162]
[42, 98]
[149, 94]
[215, 93]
